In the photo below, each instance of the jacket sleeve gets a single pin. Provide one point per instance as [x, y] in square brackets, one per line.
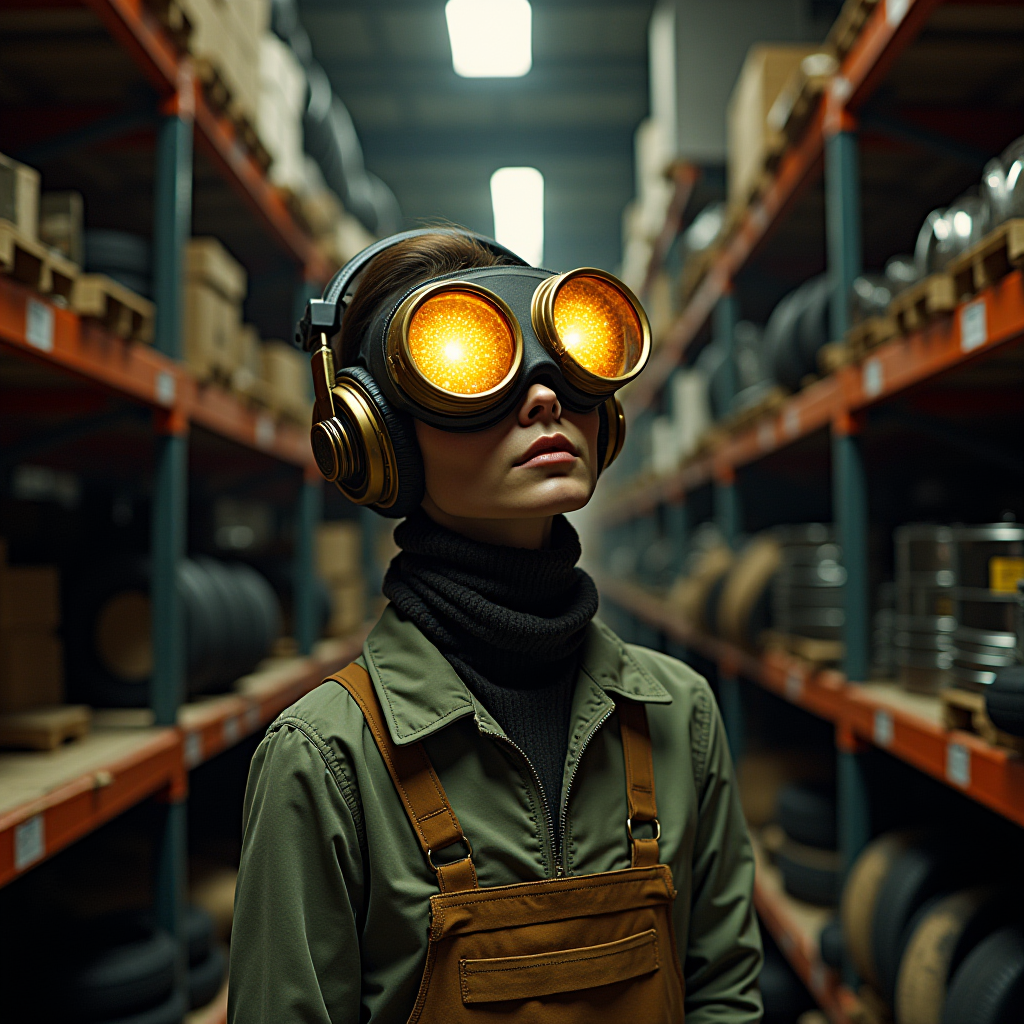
[295, 941]
[722, 962]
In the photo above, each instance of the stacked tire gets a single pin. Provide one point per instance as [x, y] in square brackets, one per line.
[808, 857]
[937, 948]
[231, 619]
[125, 257]
[797, 330]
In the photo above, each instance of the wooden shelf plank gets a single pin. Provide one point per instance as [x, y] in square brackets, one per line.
[908, 726]
[50, 799]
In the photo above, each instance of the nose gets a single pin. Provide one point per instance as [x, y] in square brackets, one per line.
[541, 405]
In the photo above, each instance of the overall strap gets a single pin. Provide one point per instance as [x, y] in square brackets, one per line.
[422, 794]
[636, 749]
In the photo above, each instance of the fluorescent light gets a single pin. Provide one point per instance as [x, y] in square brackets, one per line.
[517, 195]
[490, 38]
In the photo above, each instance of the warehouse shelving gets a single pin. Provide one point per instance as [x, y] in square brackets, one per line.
[135, 26]
[995, 318]
[906, 725]
[889, 29]
[51, 799]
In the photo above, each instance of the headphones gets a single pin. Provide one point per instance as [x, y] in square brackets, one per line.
[363, 441]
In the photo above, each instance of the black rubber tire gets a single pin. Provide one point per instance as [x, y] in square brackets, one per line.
[131, 972]
[926, 869]
[813, 328]
[141, 284]
[104, 251]
[806, 880]
[830, 943]
[807, 814]
[199, 928]
[233, 639]
[779, 339]
[782, 992]
[206, 977]
[988, 987]
[1004, 700]
[204, 625]
[170, 1012]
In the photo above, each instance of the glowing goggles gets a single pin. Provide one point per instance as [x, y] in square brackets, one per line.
[454, 347]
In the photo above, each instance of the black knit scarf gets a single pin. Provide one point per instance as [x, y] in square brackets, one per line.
[509, 620]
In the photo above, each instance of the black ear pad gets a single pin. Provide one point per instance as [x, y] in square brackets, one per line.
[602, 436]
[402, 433]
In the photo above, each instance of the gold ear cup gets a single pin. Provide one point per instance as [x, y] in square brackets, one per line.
[616, 430]
[352, 449]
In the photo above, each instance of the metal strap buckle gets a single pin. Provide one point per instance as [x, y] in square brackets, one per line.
[654, 821]
[469, 856]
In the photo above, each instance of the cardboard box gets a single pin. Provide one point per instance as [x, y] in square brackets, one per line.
[339, 550]
[349, 608]
[19, 196]
[751, 141]
[61, 215]
[31, 669]
[29, 597]
[288, 381]
[206, 260]
[215, 285]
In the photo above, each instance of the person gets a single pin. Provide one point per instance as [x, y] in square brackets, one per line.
[501, 811]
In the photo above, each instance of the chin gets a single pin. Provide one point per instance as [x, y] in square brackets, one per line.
[551, 498]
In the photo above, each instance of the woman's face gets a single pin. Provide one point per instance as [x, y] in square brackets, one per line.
[538, 461]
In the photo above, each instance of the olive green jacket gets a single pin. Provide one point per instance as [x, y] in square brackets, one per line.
[332, 904]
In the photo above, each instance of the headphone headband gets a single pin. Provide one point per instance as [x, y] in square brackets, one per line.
[323, 316]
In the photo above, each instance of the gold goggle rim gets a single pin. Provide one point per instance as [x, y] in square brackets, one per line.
[406, 375]
[542, 315]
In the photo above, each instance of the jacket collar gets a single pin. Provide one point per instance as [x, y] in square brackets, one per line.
[421, 693]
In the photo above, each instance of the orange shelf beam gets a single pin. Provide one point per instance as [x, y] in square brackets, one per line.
[890, 28]
[74, 803]
[215, 725]
[994, 317]
[875, 713]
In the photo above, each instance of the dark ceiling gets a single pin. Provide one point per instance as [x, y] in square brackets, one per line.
[436, 138]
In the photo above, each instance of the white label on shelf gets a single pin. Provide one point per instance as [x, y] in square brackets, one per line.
[791, 422]
[193, 749]
[973, 325]
[231, 730]
[166, 386]
[759, 216]
[958, 765]
[29, 842]
[794, 685]
[883, 728]
[252, 718]
[872, 378]
[841, 89]
[766, 435]
[265, 431]
[896, 10]
[39, 325]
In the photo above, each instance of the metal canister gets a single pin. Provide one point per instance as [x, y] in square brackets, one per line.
[989, 562]
[807, 590]
[924, 622]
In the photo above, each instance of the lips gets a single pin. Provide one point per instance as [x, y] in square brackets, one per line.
[549, 450]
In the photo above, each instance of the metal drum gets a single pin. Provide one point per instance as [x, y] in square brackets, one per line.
[924, 623]
[807, 591]
[989, 561]
[883, 633]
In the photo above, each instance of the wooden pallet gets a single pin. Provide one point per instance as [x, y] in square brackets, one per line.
[991, 259]
[215, 89]
[44, 728]
[794, 106]
[848, 24]
[965, 709]
[772, 402]
[175, 21]
[29, 261]
[871, 333]
[835, 355]
[815, 652]
[119, 309]
[922, 302]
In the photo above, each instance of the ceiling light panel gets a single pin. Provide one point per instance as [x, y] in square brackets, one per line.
[490, 38]
[517, 195]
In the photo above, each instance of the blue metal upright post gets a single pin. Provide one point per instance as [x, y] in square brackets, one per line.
[171, 228]
[728, 513]
[310, 511]
[724, 332]
[849, 485]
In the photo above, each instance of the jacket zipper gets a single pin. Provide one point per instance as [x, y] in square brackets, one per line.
[556, 858]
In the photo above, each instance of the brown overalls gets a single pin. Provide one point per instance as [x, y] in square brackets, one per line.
[586, 949]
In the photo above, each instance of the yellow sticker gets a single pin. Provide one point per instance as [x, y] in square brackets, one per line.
[1003, 574]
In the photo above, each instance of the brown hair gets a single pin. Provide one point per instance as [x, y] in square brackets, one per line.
[405, 264]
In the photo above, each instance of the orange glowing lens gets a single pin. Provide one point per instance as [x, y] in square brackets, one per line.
[461, 343]
[598, 326]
